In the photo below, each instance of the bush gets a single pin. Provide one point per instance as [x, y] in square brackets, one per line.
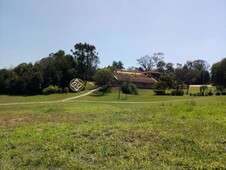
[223, 93]
[59, 90]
[159, 92]
[218, 93]
[179, 93]
[66, 90]
[129, 88]
[220, 88]
[51, 90]
[133, 88]
[210, 93]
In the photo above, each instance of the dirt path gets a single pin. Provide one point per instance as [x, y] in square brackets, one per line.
[76, 97]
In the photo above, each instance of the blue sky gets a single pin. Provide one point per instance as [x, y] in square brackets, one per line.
[121, 30]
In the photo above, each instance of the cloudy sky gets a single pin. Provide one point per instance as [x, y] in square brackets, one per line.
[121, 30]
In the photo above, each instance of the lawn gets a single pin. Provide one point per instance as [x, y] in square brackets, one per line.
[185, 134]
[42, 98]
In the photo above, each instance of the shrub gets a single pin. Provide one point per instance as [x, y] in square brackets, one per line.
[220, 88]
[66, 90]
[134, 88]
[50, 90]
[59, 90]
[218, 93]
[223, 93]
[129, 88]
[210, 93]
[159, 92]
[179, 93]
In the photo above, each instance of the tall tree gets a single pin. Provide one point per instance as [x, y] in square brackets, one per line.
[117, 65]
[150, 62]
[218, 73]
[24, 73]
[201, 68]
[87, 60]
[192, 72]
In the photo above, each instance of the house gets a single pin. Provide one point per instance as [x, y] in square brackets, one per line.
[152, 73]
[139, 78]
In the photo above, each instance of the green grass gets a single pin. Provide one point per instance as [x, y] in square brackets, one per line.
[42, 98]
[190, 134]
[145, 95]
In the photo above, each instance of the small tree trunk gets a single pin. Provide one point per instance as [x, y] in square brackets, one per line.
[177, 89]
[119, 93]
[188, 88]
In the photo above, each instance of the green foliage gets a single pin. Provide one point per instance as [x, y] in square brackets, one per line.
[166, 82]
[177, 93]
[87, 60]
[57, 69]
[159, 92]
[104, 78]
[218, 93]
[161, 85]
[129, 88]
[51, 90]
[117, 65]
[210, 93]
[203, 89]
[66, 90]
[193, 72]
[218, 73]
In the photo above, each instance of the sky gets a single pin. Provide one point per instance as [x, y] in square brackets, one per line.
[121, 30]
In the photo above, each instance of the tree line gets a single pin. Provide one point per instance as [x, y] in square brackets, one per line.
[56, 69]
[59, 68]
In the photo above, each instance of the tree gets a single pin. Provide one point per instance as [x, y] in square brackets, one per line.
[23, 82]
[104, 79]
[202, 74]
[218, 73]
[8, 85]
[117, 65]
[47, 67]
[58, 69]
[35, 86]
[6, 76]
[149, 63]
[166, 82]
[87, 60]
[161, 66]
[193, 72]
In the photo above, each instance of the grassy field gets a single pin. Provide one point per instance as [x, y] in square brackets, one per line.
[167, 133]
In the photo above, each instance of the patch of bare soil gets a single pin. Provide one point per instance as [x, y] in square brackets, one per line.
[13, 121]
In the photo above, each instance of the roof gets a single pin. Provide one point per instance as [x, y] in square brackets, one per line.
[137, 72]
[129, 72]
[135, 79]
[152, 72]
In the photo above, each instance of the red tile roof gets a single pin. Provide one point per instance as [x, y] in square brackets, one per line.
[135, 79]
[152, 72]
